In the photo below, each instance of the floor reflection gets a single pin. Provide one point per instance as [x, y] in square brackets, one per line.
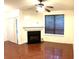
[46, 50]
[54, 53]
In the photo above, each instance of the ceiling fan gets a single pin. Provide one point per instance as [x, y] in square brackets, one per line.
[42, 7]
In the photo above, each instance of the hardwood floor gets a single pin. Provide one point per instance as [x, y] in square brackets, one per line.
[45, 50]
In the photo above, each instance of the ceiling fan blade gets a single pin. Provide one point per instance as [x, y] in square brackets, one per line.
[42, 0]
[47, 10]
[50, 6]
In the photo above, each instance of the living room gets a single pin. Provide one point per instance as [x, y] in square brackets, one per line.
[19, 21]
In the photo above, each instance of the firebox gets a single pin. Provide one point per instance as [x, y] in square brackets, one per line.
[34, 37]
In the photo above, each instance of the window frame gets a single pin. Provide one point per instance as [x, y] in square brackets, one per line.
[54, 25]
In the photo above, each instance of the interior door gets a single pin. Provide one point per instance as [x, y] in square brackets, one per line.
[12, 30]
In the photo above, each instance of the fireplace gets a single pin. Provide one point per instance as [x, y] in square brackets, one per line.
[34, 37]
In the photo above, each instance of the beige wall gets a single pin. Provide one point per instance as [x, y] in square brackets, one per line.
[10, 16]
[68, 29]
[30, 18]
[33, 19]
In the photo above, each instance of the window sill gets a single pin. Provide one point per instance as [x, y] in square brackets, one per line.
[54, 35]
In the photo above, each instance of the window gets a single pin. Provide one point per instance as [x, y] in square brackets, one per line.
[54, 24]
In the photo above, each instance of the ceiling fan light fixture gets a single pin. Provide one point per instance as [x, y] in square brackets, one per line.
[40, 8]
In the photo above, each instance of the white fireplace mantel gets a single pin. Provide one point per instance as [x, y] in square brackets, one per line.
[33, 28]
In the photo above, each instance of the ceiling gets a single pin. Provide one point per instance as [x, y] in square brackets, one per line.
[30, 4]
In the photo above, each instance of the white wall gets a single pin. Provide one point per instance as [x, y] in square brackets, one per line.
[10, 16]
[30, 18]
[33, 19]
[68, 28]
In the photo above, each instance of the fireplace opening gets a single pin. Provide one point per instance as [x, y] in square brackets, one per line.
[34, 37]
